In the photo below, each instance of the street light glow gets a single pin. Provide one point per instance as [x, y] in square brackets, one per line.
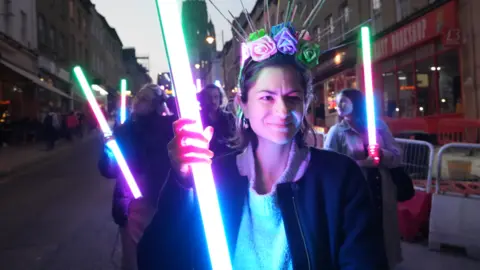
[210, 39]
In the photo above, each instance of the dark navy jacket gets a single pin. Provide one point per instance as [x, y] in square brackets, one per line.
[144, 145]
[328, 216]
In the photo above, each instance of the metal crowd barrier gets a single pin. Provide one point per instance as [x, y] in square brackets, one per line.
[454, 216]
[418, 157]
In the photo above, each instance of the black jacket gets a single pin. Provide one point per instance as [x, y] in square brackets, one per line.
[328, 216]
[144, 146]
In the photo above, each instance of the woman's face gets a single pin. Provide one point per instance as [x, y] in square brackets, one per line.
[212, 99]
[344, 105]
[276, 105]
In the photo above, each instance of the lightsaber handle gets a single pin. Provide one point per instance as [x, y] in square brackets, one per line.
[374, 152]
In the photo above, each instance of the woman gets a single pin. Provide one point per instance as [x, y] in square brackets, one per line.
[143, 139]
[213, 102]
[349, 136]
[284, 205]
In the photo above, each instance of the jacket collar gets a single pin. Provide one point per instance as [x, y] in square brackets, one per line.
[297, 164]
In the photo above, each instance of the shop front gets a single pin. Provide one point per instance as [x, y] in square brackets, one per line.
[335, 73]
[417, 70]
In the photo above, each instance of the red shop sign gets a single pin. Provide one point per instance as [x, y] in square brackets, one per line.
[440, 21]
[452, 37]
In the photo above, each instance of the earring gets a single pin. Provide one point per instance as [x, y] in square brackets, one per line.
[245, 123]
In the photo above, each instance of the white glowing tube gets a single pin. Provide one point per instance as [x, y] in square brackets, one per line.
[170, 23]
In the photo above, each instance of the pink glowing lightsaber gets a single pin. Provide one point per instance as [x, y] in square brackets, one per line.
[373, 148]
[176, 51]
[123, 101]
[102, 122]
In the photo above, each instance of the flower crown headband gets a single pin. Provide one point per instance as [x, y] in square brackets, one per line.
[282, 38]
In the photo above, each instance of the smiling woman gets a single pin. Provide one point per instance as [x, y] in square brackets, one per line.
[275, 194]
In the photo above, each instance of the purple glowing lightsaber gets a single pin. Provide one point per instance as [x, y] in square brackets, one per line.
[102, 122]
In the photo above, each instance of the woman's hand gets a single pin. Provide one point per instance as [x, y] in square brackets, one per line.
[189, 147]
[369, 162]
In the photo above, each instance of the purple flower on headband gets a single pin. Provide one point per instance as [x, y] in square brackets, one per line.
[279, 27]
[261, 48]
[286, 42]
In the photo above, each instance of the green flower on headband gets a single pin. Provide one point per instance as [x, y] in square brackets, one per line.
[256, 35]
[308, 54]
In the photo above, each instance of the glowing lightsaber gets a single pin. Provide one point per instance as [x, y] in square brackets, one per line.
[102, 122]
[373, 148]
[123, 101]
[217, 83]
[176, 51]
[199, 85]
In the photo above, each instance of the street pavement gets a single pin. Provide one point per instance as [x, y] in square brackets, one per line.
[56, 216]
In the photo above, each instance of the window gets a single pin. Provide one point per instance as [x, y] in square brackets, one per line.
[71, 10]
[403, 9]
[329, 23]
[41, 29]
[449, 83]
[79, 19]
[7, 16]
[422, 82]
[345, 13]
[390, 103]
[406, 94]
[53, 38]
[61, 45]
[318, 33]
[426, 87]
[344, 17]
[73, 53]
[23, 27]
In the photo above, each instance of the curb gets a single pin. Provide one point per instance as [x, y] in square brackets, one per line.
[62, 149]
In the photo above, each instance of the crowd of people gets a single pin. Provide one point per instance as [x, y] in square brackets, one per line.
[50, 126]
[284, 204]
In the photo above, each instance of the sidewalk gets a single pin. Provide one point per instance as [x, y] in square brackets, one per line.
[14, 158]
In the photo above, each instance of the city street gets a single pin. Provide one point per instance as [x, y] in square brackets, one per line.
[56, 216]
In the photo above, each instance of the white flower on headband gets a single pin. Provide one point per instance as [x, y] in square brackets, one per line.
[262, 48]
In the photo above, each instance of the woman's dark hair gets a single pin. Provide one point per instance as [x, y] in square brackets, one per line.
[247, 78]
[359, 105]
[223, 97]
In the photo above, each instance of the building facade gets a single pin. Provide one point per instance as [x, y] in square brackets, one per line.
[136, 74]
[196, 28]
[422, 59]
[425, 58]
[106, 59]
[19, 81]
[53, 54]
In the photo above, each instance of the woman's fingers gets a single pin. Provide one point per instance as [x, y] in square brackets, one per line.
[181, 123]
[208, 133]
[192, 150]
[185, 135]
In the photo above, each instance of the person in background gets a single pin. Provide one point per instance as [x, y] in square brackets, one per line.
[51, 127]
[72, 125]
[213, 103]
[143, 139]
[284, 205]
[350, 137]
